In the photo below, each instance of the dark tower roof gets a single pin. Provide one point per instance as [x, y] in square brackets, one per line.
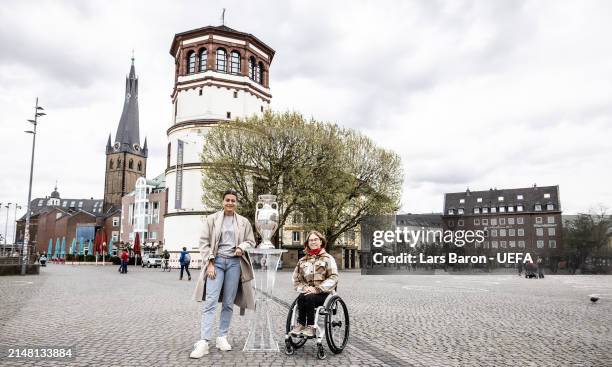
[127, 138]
[55, 194]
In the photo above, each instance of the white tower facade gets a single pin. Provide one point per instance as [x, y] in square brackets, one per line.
[220, 75]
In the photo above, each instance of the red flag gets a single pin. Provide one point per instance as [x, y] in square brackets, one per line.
[137, 243]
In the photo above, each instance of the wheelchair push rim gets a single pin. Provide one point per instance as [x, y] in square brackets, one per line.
[337, 325]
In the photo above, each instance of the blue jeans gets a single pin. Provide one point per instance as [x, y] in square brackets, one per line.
[227, 277]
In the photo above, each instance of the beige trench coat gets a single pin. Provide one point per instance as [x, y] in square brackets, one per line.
[209, 244]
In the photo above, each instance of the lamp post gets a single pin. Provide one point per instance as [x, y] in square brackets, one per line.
[26, 236]
[8, 209]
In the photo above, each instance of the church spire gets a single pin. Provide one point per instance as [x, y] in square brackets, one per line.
[127, 138]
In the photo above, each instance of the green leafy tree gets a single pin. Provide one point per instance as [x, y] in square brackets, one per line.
[332, 177]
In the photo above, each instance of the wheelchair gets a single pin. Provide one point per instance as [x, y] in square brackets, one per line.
[331, 321]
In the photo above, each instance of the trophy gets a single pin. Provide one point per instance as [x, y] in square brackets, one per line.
[264, 259]
[266, 219]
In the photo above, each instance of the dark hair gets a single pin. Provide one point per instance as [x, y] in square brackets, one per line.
[229, 192]
[184, 248]
[318, 234]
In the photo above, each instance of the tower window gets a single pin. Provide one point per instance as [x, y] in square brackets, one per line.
[252, 68]
[119, 163]
[139, 166]
[221, 60]
[191, 62]
[203, 59]
[235, 94]
[110, 164]
[200, 92]
[228, 115]
[260, 73]
[261, 108]
[131, 164]
[235, 63]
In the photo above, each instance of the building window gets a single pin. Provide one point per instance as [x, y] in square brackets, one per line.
[131, 164]
[550, 207]
[295, 236]
[512, 244]
[200, 91]
[460, 211]
[228, 115]
[510, 220]
[538, 220]
[500, 198]
[538, 207]
[115, 236]
[139, 166]
[460, 223]
[521, 244]
[551, 220]
[546, 196]
[252, 68]
[494, 233]
[551, 231]
[203, 59]
[476, 210]
[502, 221]
[155, 219]
[191, 62]
[110, 164]
[476, 222]
[552, 244]
[451, 223]
[540, 243]
[502, 233]
[80, 204]
[486, 244]
[461, 201]
[485, 210]
[519, 197]
[502, 244]
[235, 63]
[521, 232]
[493, 221]
[235, 94]
[153, 236]
[493, 244]
[502, 209]
[519, 208]
[115, 221]
[260, 73]
[510, 209]
[519, 220]
[539, 232]
[511, 232]
[451, 211]
[493, 209]
[479, 200]
[221, 60]
[485, 222]
[261, 108]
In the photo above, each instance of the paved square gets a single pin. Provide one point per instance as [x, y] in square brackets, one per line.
[147, 318]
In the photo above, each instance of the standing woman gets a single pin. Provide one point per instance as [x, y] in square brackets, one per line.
[315, 276]
[226, 271]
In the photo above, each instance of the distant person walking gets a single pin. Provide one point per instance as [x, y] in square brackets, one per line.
[185, 259]
[124, 262]
[540, 263]
[520, 268]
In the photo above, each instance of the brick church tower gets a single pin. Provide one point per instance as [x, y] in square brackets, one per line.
[126, 159]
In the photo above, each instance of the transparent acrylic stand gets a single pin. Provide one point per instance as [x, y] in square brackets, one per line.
[265, 263]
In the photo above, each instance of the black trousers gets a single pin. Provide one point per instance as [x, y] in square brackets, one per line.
[186, 267]
[307, 305]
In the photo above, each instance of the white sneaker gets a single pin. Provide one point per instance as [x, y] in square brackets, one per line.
[222, 344]
[200, 349]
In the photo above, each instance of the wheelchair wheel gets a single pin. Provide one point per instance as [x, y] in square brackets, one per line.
[295, 342]
[337, 325]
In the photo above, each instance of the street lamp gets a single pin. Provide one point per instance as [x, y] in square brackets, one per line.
[15, 220]
[26, 235]
[8, 208]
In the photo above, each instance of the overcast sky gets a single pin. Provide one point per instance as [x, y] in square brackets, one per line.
[474, 94]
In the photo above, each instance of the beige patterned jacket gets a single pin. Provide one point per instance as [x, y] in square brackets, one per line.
[319, 271]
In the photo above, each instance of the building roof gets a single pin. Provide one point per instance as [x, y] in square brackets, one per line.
[419, 220]
[67, 206]
[468, 200]
[127, 138]
[221, 29]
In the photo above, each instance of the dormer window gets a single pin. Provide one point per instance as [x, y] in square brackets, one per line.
[550, 207]
[546, 196]
[510, 209]
[479, 200]
[451, 211]
[460, 211]
[476, 210]
[500, 198]
[502, 209]
[493, 209]
[538, 207]
[519, 197]
[519, 208]
[461, 201]
[485, 210]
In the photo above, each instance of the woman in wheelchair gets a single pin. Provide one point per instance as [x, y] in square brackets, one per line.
[314, 277]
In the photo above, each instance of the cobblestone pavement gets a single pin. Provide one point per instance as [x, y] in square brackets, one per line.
[147, 318]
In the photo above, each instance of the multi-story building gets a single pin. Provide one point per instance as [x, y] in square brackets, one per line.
[513, 220]
[142, 212]
[221, 74]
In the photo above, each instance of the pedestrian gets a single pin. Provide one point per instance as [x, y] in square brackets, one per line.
[314, 277]
[520, 268]
[540, 263]
[43, 260]
[124, 262]
[226, 236]
[184, 260]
